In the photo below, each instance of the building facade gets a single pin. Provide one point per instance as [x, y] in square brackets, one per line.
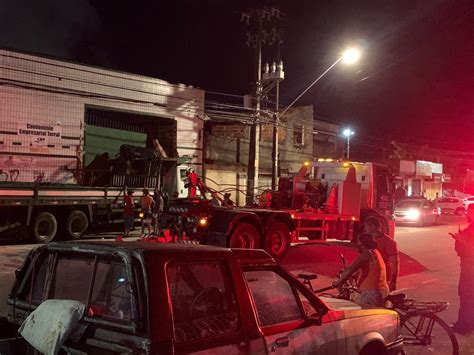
[56, 116]
[300, 139]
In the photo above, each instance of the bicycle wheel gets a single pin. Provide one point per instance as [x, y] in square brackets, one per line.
[425, 333]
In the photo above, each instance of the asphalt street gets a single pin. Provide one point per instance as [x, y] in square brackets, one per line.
[429, 266]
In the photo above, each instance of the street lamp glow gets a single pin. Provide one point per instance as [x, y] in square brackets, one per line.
[347, 132]
[351, 56]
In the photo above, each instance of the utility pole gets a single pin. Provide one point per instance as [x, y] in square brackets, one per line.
[261, 30]
[277, 74]
[275, 153]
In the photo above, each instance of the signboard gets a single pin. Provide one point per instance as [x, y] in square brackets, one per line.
[39, 134]
[427, 168]
[436, 168]
[423, 168]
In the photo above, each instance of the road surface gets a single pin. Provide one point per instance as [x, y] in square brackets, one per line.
[429, 266]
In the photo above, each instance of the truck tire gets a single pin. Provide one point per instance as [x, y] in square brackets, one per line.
[76, 225]
[277, 240]
[44, 227]
[244, 236]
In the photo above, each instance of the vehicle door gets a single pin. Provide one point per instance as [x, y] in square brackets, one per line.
[206, 314]
[430, 212]
[104, 284]
[182, 180]
[287, 318]
[446, 204]
[384, 196]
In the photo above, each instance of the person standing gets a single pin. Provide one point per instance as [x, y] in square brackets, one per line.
[128, 212]
[387, 247]
[146, 204]
[227, 201]
[215, 201]
[158, 205]
[464, 246]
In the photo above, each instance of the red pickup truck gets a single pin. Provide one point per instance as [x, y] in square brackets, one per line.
[147, 298]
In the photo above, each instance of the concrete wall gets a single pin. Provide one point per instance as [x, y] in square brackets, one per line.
[226, 155]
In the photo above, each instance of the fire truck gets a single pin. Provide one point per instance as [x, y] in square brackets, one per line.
[325, 200]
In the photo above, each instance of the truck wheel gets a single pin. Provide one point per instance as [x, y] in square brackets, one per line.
[277, 240]
[76, 224]
[44, 227]
[244, 236]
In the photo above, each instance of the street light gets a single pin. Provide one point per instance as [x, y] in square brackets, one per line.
[348, 133]
[349, 56]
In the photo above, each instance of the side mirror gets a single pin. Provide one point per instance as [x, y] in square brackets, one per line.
[317, 318]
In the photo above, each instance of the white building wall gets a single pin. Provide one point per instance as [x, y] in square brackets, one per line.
[53, 93]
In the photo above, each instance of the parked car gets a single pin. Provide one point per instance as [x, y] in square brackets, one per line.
[451, 205]
[149, 298]
[468, 201]
[416, 211]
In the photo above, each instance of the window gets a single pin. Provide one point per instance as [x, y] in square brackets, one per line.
[111, 291]
[298, 135]
[273, 297]
[382, 184]
[72, 279]
[203, 301]
[39, 272]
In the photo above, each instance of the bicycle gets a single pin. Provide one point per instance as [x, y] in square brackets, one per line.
[422, 330]
[420, 326]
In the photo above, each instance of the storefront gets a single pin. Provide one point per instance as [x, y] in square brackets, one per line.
[421, 178]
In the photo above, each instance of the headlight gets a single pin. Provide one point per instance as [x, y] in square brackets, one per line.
[203, 221]
[413, 214]
[141, 215]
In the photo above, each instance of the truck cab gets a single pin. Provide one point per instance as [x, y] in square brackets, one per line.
[332, 199]
[375, 180]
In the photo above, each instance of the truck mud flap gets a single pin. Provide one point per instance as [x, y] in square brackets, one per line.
[217, 239]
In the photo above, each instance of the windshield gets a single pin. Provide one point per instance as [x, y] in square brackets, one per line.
[405, 204]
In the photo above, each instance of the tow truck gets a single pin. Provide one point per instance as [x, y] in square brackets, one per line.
[324, 200]
[332, 199]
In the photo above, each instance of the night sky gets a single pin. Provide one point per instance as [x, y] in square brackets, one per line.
[414, 84]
